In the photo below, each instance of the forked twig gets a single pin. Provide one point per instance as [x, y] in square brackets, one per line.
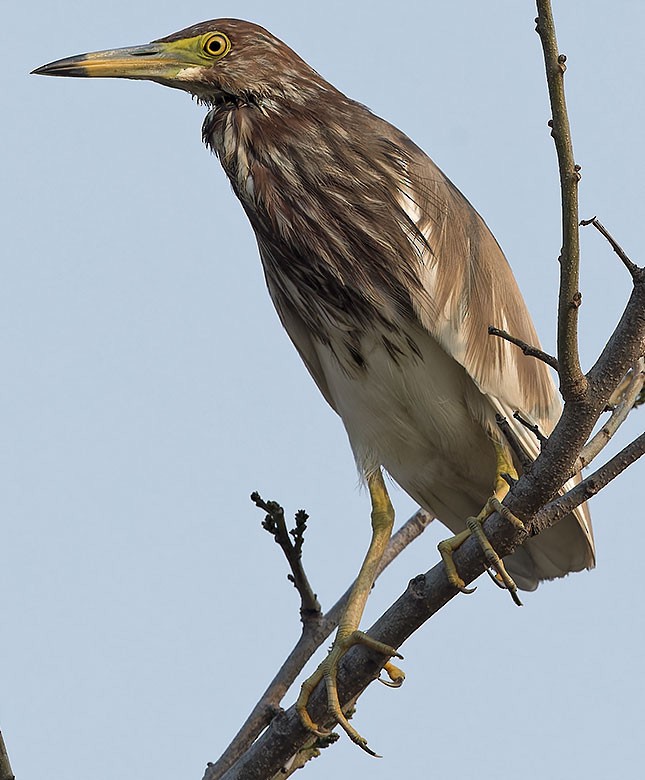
[275, 524]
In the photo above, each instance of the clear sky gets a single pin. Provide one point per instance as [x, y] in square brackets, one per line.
[148, 388]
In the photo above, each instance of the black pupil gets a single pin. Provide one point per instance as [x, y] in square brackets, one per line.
[215, 46]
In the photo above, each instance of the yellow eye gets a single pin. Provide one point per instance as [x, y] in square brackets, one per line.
[216, 45]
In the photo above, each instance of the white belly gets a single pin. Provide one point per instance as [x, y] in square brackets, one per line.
[423, 420]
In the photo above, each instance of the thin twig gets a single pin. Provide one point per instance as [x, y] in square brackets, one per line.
[274, 523]
[6, 773]
[633, 269]
[535, 430]
[628, 398]
[527, 349]
[513, 442]
[573, 383]
[313, 636]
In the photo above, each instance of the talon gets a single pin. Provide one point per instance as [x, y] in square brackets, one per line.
[516, 598]
[446, 548]
[396, 675]
[474, 527]
[327, 672]
[368, 749]
[468, 591]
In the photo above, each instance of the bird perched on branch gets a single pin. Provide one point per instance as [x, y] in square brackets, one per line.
[386, 279]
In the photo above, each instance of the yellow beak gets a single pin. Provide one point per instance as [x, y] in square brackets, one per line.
[166, 63]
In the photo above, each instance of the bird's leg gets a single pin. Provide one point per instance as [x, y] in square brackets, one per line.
[348, 633]
[474, 528]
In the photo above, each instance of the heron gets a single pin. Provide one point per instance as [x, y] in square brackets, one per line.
[386, 279]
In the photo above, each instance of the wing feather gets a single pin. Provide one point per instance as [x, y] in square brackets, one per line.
[467, 285]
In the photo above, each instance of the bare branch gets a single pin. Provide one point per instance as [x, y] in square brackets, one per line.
[628, 397]
[424, 596]
[589, 486]
[6, 772]
[633, 269]
[314, 633]
[513, 442]
[535, 430]
[299, 759]
[573, 383]
[625, 347]
[527, 349]
[274, 523]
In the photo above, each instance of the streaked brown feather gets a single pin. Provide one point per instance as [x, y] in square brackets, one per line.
[386, 279]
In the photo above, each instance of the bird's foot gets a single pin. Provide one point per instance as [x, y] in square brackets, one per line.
[474, 528]
[328, 670]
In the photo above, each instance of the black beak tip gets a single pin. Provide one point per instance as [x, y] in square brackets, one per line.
[72, 66]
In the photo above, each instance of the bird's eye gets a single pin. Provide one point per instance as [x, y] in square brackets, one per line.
[216, 45]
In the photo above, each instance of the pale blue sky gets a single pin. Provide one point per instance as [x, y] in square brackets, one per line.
[148, 389]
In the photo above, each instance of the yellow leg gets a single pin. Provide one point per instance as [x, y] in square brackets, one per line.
[348, 633]
[474, 528]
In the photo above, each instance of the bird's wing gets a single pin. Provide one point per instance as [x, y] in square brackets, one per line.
[467, 285]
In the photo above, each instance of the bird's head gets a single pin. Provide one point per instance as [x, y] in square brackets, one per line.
[217, 60]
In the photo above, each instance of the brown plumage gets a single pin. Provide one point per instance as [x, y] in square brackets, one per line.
[367, 247]
[383, 274]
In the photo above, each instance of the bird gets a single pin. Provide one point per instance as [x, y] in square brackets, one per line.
[386, 280]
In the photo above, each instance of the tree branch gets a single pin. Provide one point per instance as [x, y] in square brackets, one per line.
[527, 349]
[6, 773]
[314, 633]
[572, 381]
[513, 442]
[629, 396]
[534, 428]
[631, 267]
[589, 487]
[425, 595]
[275, 524]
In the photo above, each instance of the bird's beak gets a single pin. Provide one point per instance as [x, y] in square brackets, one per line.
[158, 61]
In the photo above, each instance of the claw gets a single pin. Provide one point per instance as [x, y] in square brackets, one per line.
[468, 591]
[474, 528]
[327, 672]
[396, 675]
